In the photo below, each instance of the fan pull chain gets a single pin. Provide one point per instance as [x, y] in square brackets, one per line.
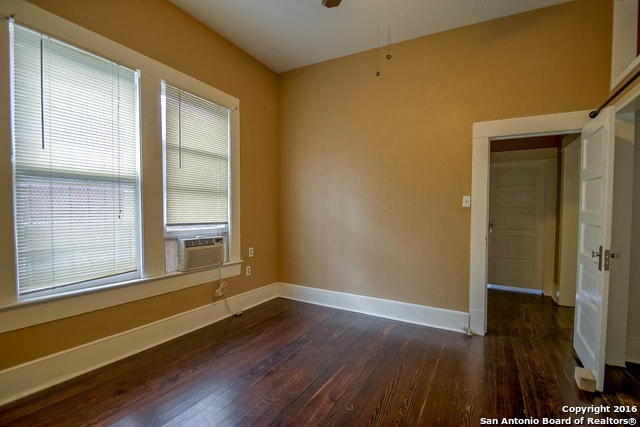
[388, 54]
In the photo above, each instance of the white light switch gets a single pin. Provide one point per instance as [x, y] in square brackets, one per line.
[466, 201]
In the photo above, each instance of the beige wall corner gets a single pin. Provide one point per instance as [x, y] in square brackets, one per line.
[373, 169]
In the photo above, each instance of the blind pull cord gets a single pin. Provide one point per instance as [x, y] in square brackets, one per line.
[42, 90]
[179, 129]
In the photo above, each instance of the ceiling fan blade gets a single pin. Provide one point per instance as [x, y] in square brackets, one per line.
[331, 3]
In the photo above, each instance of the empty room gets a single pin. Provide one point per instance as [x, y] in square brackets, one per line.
[319, 212]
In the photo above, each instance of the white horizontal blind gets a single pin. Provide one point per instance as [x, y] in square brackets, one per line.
[196, 133]
[75, 142]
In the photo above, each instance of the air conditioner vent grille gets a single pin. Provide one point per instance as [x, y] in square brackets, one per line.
[200, 253]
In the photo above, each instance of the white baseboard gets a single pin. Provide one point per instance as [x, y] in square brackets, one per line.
[36, 375]
[403, 311]
[530, 291]
[633, 350]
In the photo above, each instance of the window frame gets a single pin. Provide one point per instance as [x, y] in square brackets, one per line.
[33, 167]
[191, 229]
[17, 313]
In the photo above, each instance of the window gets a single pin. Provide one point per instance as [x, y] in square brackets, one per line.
[86, 211]
[196, 137]
[76, 174]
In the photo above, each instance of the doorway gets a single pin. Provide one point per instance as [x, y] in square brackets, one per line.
[622, 330]
[483, 133]
[524, 202]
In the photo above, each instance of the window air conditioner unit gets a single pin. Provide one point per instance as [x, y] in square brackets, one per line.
[200, 253]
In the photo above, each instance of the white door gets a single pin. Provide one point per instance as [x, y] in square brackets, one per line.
[594, 239]
[516, 206]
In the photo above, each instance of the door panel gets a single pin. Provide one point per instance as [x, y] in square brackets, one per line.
[516, 209]
[517, 247]
[594, 237]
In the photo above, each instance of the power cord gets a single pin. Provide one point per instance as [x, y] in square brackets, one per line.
[235, 313]
[220, 292]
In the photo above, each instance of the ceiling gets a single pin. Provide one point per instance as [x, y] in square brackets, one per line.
[289, 34]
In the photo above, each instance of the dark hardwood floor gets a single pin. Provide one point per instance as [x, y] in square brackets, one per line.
[290, 363]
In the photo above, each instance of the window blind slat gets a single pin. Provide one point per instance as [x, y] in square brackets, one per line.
[76, 164]
[196, 137]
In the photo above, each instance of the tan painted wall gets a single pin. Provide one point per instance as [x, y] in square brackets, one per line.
[369, 172]
[158, 29]
[373, 169]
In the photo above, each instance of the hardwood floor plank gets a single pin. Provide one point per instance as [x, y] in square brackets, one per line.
[315, 367]
[233, 364]
[374, 400]
[295, 366]
[392, 404]
[340, 380]
[286, 363]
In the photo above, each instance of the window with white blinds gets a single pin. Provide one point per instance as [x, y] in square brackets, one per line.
[75, 147]
[196, 148]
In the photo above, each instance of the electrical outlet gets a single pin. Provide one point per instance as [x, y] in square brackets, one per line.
[248, 271]
[250, 252]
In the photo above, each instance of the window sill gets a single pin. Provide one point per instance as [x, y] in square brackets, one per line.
[34, 311]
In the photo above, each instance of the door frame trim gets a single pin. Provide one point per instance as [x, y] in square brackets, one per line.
[483, 133]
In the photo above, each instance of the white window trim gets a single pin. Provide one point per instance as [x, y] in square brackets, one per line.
[15, 313]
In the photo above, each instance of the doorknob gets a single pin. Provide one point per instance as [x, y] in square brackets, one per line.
[490, 227]
[604, 258]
